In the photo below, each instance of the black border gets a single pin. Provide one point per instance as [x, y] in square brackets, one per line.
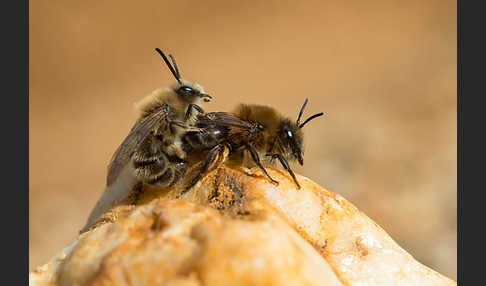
[14, 138]
[471, 159]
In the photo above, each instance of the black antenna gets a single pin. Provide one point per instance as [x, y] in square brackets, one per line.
[310, 118]
[302, 110]
[175, 65]
[169, 65]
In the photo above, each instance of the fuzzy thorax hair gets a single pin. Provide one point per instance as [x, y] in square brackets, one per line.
[169, 96]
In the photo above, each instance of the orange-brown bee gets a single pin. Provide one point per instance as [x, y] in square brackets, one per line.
[252, 131]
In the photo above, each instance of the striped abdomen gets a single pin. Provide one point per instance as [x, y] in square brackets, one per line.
[153, 166]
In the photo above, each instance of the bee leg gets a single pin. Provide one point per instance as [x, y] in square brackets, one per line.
[256, 159]
[178, 123]
[285, 164]
[190, 108]
[210, 158]
[184, 126]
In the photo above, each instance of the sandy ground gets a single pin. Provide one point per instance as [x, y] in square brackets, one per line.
[384, 71]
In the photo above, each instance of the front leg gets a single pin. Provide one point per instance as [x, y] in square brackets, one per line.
[184, 126]
[190, 108]
[256, 159]
[285, 164]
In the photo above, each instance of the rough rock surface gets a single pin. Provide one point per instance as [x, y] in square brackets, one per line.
[236, 228]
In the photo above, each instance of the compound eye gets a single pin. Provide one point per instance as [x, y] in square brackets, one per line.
[186, 90]
[289, 134]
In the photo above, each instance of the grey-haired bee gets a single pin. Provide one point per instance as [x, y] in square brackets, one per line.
[151, 152]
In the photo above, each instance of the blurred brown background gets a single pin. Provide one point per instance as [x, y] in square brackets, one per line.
[385, 71]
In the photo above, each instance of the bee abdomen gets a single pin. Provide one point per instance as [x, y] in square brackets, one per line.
[162, 179]
[151, 169]
[147, 162]
[153, 164]
[173, 172]
[195, 141]
[159, 170]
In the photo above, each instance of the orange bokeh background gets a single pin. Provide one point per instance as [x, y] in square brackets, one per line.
[384, 71]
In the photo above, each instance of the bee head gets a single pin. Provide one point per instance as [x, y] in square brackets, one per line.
[291, 141]
[188, 91]
[191, 91]
[292, 137]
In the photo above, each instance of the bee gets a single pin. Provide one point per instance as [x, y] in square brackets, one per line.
[254, 132]
[154, 141]
[151, 153]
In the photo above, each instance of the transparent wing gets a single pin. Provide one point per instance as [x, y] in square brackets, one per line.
[222, 119]
[137, 134]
